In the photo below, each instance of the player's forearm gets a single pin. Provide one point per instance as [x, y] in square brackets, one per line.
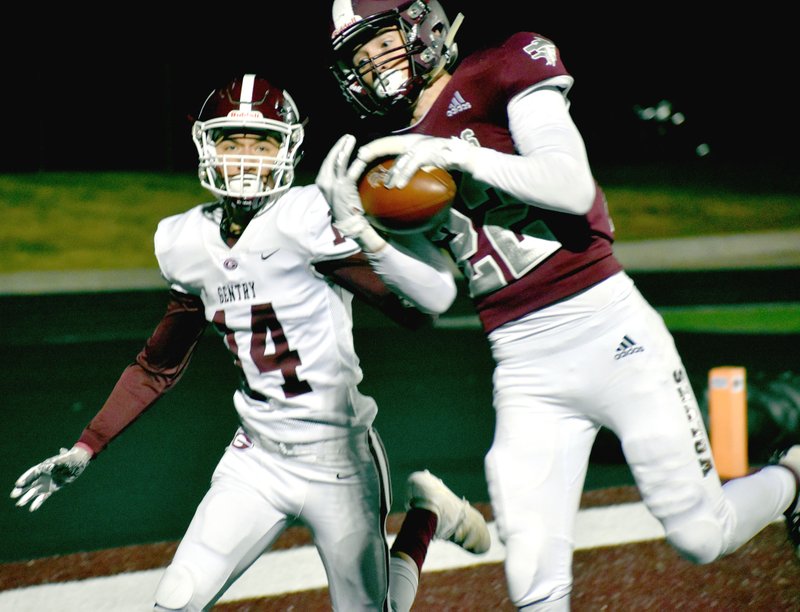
[553, 181]
[158, 366]
[430, 288]
[133, 394]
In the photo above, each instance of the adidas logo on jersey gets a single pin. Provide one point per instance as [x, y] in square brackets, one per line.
[457, 104]
[627, 347]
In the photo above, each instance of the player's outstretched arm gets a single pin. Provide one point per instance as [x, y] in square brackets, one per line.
[551, 169]
[45, 478]
[158, 366]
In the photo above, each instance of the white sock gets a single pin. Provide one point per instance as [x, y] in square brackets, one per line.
[403, 584]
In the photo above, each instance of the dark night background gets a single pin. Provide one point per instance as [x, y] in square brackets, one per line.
[109, 87]
[112, 92]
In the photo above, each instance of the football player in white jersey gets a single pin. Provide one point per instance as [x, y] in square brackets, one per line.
[531, 233]
[266, 268]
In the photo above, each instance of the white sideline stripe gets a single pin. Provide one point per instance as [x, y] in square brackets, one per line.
[749, 250]
[299, 569]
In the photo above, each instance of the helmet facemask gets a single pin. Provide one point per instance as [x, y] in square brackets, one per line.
[426, 50]
[248, 182]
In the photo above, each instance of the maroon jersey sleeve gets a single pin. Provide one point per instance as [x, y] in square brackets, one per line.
[528, 59]
[157, 367]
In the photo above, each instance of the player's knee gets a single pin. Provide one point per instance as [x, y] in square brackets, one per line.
[690, 525]
[530, 581]
[175, 590]
[674, 493]
[697, 541]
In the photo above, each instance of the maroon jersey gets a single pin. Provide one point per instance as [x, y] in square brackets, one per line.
[517, 258]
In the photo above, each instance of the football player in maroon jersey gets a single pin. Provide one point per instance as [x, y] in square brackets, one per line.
[264, 266]
[575, 344]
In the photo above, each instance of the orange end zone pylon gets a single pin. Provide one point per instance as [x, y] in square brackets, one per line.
[727, 411]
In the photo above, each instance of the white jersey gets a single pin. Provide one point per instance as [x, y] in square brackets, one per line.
[288, 328]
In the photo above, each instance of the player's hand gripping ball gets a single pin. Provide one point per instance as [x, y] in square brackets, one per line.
[417, 207]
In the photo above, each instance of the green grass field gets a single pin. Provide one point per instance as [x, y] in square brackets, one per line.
[782, 318]
[105, 221]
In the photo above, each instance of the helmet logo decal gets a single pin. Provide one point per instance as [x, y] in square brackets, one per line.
[245, 114]
[541, 48]
[345, 25]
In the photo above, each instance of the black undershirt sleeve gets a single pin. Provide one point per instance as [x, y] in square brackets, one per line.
[355, 274]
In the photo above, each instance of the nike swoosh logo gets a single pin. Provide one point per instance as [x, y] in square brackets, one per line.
[265, 256]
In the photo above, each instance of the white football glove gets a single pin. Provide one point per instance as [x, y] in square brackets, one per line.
[340, 190]
[44, 479]
[415, 151]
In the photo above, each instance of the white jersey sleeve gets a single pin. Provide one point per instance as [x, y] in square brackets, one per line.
[552, 169]
[418, 271]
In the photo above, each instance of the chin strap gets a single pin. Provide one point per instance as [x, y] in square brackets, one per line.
[235, 218]
[447, 45]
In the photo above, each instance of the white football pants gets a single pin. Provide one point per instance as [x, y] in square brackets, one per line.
[605, 358]
[338, 489]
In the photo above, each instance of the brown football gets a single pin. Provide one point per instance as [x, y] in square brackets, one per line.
[416, 207]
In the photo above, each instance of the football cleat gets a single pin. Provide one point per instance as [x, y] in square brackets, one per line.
[458, 521]
[790, 459]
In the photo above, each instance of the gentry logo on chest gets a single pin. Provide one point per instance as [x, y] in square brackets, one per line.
[235, 292]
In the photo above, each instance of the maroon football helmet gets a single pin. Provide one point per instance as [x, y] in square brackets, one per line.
[428, 47]
[248, 105]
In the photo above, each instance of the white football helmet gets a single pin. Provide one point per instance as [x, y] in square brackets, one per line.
[428, 46]
[248, 104]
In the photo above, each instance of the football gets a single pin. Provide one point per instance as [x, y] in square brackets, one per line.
[418, 206]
